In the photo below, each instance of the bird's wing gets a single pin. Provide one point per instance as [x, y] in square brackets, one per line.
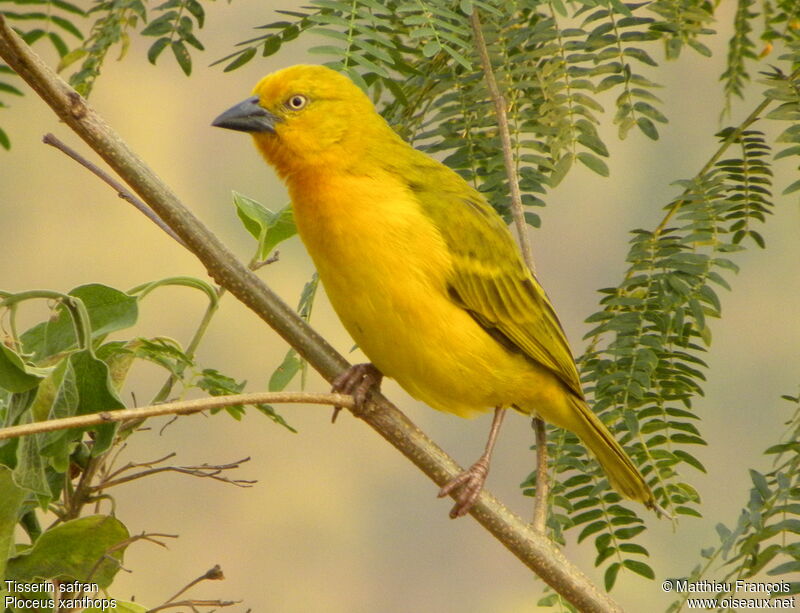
[490, 280]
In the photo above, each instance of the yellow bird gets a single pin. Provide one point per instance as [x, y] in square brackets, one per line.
[423, 273]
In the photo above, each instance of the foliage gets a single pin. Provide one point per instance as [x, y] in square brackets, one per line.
[67, 365]
[764, 540]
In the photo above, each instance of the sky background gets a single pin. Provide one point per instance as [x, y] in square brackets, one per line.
[339, 521]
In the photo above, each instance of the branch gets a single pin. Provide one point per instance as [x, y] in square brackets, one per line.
[185, 407]
[517, 211]
[50, 139]
[202, 471]
[533, 549]
[732, 138]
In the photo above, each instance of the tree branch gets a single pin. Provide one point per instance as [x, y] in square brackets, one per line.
[533, 549]
[185, 407]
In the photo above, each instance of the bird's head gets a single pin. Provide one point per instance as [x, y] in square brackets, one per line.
[304, 116]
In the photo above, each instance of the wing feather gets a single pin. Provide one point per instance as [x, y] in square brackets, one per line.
[491, 282]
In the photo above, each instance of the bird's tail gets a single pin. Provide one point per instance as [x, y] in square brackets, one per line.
[620, 470]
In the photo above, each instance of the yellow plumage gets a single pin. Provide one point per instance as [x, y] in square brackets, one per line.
[423, 273]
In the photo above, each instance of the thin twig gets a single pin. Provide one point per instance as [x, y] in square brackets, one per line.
[130, 465]
[517, 210]
[193, 604]
[200, 333]
[270, 260]
[122, 191]
[144, 536]
[518, 213]
[212, 574]
[532, 548]
[185, 407]
[203, 471]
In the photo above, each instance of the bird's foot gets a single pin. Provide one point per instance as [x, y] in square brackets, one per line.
[469, 485]
[358, 381]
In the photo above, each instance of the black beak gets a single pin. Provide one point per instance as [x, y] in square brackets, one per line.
[247, 116]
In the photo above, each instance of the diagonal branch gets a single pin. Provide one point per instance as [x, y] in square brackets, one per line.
[533, 549]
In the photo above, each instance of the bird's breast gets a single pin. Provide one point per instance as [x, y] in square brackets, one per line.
[384, 266]
[373, 246]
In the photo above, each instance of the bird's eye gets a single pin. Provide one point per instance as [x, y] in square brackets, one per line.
[296, 102]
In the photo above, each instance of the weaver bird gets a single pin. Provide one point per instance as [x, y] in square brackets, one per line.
[423, 273]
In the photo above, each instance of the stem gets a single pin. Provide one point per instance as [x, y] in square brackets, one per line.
[518, 213]
[517, 210]
[542, 477]
[191, 348]
[534, 550]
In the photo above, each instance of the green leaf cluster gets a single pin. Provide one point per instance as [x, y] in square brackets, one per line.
[38, 20]
[67, 366]
[764, 543]
[175, 28]
[112, 22]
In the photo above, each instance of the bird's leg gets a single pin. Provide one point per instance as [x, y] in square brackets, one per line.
[470, 482]
[358, 381]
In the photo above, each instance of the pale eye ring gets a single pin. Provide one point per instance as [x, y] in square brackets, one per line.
[296, 102]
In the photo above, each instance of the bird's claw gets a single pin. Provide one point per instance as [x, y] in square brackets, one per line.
[469, 485]
[358, 381]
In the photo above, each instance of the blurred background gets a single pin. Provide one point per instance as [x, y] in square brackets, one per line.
[339, 521]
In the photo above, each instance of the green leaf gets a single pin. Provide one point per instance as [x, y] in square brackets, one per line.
[610, 577]
[15, 375]
[96, 393]
[640, 568]
[593, 163]
[156, 48]
[181, 54]
[11, 497]
[760, 483]
[647, 127]
[165, 352]
[59, 44]
[88, 549]
[71, 57]
[10, 89]
[217, 384]
[246, 56]
[270, 412]
[792, 188]
[268, 228]
[163, 24]
[197, 11]
[431, 48]
[290, 366]
[793, 566]
[80, 385]
[109, 310]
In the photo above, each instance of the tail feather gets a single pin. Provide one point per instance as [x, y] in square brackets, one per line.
[620, 470]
